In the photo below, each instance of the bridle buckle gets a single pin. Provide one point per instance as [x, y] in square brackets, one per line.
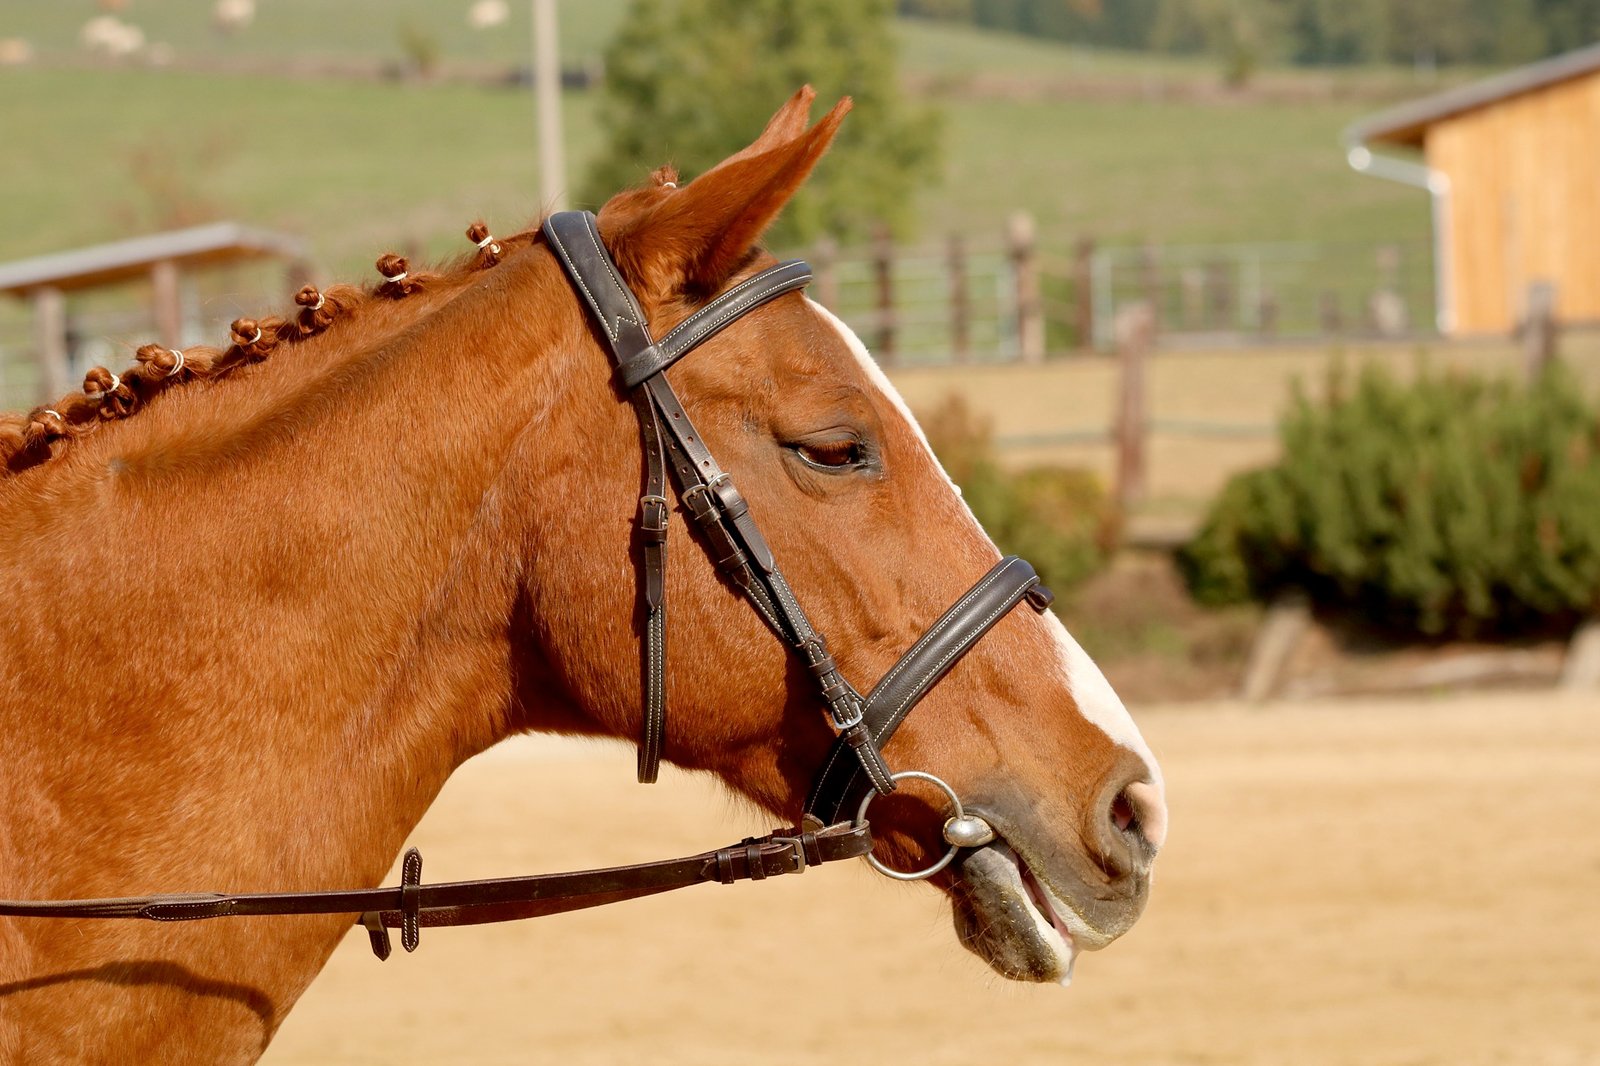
[653, 514]
[845, 725]
[797, 844]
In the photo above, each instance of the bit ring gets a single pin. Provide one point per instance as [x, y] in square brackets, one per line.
[940, 864]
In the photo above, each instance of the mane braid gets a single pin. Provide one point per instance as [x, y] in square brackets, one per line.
[28, 440]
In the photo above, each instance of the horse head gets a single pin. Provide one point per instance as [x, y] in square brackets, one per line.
[876, 543]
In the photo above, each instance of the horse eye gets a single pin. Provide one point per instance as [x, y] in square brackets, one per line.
[833, 454]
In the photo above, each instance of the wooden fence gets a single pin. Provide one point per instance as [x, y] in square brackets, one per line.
[1019, 296]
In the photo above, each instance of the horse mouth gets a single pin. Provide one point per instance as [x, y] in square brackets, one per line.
[1008, 916]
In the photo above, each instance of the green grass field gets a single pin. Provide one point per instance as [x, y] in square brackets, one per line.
[361, 166]
[95, 152]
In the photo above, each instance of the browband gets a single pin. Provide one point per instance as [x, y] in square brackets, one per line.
[709, 320]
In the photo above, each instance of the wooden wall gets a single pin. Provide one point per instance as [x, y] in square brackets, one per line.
[1524, 204]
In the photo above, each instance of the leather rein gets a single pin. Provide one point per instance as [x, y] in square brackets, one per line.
[854, 771]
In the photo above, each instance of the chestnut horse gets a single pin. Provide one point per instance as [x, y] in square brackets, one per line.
[248, 632]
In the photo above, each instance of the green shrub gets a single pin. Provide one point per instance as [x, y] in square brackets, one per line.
[1055, 517]
[1452, 505]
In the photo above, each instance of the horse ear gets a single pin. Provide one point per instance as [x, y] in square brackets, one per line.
[788, 123]
[695, 237]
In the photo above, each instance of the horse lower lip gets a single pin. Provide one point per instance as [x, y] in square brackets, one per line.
[1041, 900]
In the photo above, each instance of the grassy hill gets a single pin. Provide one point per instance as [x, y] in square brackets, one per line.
[360, 165]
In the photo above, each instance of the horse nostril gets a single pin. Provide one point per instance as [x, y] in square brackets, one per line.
[1139, 808]
[1128, 820]
[1122, 812]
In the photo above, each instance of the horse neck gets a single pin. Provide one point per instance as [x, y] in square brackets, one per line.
[320, 605]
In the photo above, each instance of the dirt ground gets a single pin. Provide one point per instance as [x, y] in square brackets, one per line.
[1370, 882]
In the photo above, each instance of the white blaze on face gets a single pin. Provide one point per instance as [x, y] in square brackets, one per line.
[1096, 700]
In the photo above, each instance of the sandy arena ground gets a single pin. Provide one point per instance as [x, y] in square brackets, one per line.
[1376, 883]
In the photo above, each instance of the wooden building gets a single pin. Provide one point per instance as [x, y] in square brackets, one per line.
[1513, 166]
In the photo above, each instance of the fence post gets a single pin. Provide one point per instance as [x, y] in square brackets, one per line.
[1220, 313]
[164, 299]
[50, 340]
[1267, 314]
[960, 308]
[1285, 623]
[883, 276]
[1083, 289]
[1539, 328]
[1025, 269]
[1135, 332]
[298, 273]
[826, 258]
[1192, 297]
[1387, 308]
[1328, 313]
[1150, 281]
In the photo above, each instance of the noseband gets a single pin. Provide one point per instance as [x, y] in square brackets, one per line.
[854, 771]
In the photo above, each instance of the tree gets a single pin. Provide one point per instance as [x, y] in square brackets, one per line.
[1338, 31]
[1240, 33]
[692, 81]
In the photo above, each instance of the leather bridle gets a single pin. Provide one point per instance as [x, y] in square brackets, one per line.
[854, 770]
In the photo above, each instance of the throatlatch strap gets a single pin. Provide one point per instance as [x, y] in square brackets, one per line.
[1011, 581]
[576, 242]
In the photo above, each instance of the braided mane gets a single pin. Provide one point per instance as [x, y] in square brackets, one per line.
[326, 316]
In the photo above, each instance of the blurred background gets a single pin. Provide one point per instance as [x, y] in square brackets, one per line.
[1266, 328]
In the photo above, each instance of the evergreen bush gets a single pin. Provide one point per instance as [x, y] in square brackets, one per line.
[1449, 506]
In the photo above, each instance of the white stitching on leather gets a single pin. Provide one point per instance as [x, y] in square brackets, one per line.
[605, 261]
[950, 613]
[952, 653]
[761, 295]
[656, 708]
[572, 272]
[731, 311]
[686, 323]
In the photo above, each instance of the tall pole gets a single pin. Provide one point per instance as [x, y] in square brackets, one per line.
[547, 94]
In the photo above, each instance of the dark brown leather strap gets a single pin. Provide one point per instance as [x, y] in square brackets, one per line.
[613, 306]
[1011, 581]
[412, 905]
[705, 323]
[654, 511]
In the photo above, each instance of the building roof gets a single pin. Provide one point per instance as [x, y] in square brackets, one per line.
[129, 260]
[1406, 123]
